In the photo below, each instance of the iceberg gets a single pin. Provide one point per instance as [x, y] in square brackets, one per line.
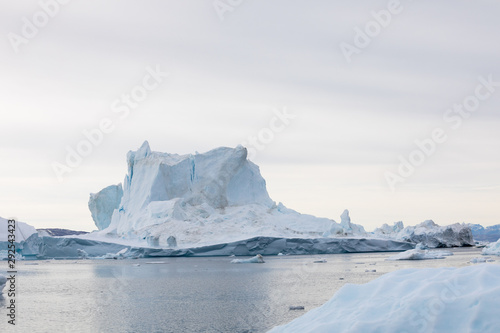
[23, 231]
[103, 203]
[187, 201]
[429, 234]
[492, 249]
[411, 300]
[417, 254]
[258, 259]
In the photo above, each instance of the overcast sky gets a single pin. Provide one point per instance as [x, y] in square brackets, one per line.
[359, 102]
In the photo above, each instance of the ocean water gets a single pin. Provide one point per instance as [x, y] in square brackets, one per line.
[188, 294]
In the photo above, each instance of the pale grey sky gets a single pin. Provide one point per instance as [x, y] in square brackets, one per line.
[226, 80]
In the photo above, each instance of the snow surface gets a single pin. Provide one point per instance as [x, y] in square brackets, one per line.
[23, 231]
[204, 199]
[417, 254]
[492, 249]
[411, 300]
[258, 259]
[429, 234]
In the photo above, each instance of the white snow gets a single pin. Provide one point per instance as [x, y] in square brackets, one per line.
[258, 259]
[204, 199]
[411, 300]
[492, 249]
[417, 254]
[23, 230]
[429, 234]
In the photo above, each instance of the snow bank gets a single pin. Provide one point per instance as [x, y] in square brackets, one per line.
[492, 249]
[202, 199]
[417, 254]
[411, 300]
[429, 233]
[23, 231]
[258, 259]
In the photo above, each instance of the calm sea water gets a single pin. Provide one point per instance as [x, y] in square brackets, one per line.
[188, 294]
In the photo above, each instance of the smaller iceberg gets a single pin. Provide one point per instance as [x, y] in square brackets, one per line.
[492, 249]
[417, 254]
[258, 259]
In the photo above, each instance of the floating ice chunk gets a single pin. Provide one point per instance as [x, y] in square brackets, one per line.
[438, 300]
[416, 254]
[480, 260]
[320, 261]
[258, 259]
[156, 262]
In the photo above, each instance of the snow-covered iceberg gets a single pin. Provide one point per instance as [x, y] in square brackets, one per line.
[411, 300]
[429, 234]
[492, 249]
[185, 201]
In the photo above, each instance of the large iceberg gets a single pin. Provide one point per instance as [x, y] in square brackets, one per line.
[195, 200]
[411, 300]
[429, 234]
